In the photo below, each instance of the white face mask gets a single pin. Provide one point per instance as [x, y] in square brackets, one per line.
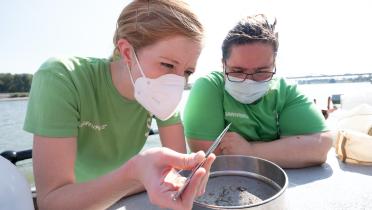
[246, 92]
[161, 95]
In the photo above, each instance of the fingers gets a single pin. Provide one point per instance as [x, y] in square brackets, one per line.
[193, 159]
[226, 139]
[182, 161]
[197, 185]
[174, 180]
[191, 191]
[207, 167]
[163, 192]
[164, 196]
[223, 146]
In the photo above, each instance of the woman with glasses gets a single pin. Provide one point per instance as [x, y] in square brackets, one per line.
[270, 118]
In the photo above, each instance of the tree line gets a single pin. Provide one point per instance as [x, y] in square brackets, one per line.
[12, 83]
[336, 80]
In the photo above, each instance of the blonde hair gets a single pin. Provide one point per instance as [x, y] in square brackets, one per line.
[144, 22]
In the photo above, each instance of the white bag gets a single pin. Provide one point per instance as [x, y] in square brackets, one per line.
[354, 147]
[357, 119]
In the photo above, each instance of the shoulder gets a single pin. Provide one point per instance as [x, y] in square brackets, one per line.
[70, 71]
[207, 89]
[280, 83]
[283, 87]
[213, 79]
[69, 64]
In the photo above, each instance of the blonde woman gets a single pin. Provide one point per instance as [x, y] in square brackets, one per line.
[90, 117]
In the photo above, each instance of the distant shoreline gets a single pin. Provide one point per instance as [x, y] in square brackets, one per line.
[14, 99]
[13, 96]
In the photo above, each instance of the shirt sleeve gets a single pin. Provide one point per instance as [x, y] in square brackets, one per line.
[203, 114]
[300, 115]
[175, 119]
[53, 103]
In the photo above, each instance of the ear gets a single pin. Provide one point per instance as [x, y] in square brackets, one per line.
[223, 65]
[125, 49]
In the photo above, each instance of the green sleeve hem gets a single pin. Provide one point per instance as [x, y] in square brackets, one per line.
[58, 133]
[175, 119]
[173, 122]
[199, 136]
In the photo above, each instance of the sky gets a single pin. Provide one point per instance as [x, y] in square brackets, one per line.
[316, 36]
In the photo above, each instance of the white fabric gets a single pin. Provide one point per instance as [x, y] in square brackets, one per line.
[354, 135]
[15, 192]
[354, 147]
[246, 92]
[357, 119]
[159, 96]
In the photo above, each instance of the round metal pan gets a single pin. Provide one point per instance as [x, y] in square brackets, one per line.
[244, 182]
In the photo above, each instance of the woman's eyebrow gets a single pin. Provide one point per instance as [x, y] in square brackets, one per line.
[234, 68]
[176, 62]
[262, 67]
[171, 60]
[252, 69]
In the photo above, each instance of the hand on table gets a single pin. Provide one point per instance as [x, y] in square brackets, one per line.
[234, 144]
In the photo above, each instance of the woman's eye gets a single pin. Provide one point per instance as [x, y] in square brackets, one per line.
[167, 65]
[188, 73]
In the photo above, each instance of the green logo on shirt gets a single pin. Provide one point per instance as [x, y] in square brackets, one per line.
[234, 114]
[93, 126]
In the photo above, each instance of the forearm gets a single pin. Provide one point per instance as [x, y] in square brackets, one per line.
[173, 138]
[97, 194]
[178, 146]
[295, 151]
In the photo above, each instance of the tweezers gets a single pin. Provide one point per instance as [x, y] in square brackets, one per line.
[209, 151]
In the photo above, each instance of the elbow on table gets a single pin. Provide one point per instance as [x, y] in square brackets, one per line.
[325, 144]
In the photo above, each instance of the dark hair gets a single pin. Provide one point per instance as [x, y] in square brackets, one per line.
[251, 29]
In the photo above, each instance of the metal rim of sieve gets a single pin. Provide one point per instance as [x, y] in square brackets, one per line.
[250, 175]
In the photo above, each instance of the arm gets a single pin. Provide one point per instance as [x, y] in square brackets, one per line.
[172, 137]
[295, 151]
[288, 152]
[57, 189]
[53, 161]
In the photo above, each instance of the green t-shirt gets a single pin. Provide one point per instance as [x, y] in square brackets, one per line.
[282, 111]
[76, 97]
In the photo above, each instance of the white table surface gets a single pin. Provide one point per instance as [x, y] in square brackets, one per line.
[334, 185]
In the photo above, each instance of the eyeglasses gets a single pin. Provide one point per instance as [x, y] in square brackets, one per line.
[239, 76]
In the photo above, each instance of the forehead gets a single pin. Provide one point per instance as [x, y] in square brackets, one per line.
[251, 55]
[178, 48]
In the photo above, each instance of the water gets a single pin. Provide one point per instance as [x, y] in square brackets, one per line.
[12, 137]
[11, 121]
[12, 114]
[352, 94]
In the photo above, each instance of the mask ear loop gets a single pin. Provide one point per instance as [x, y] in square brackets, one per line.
[130, 73]
[139, 66]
